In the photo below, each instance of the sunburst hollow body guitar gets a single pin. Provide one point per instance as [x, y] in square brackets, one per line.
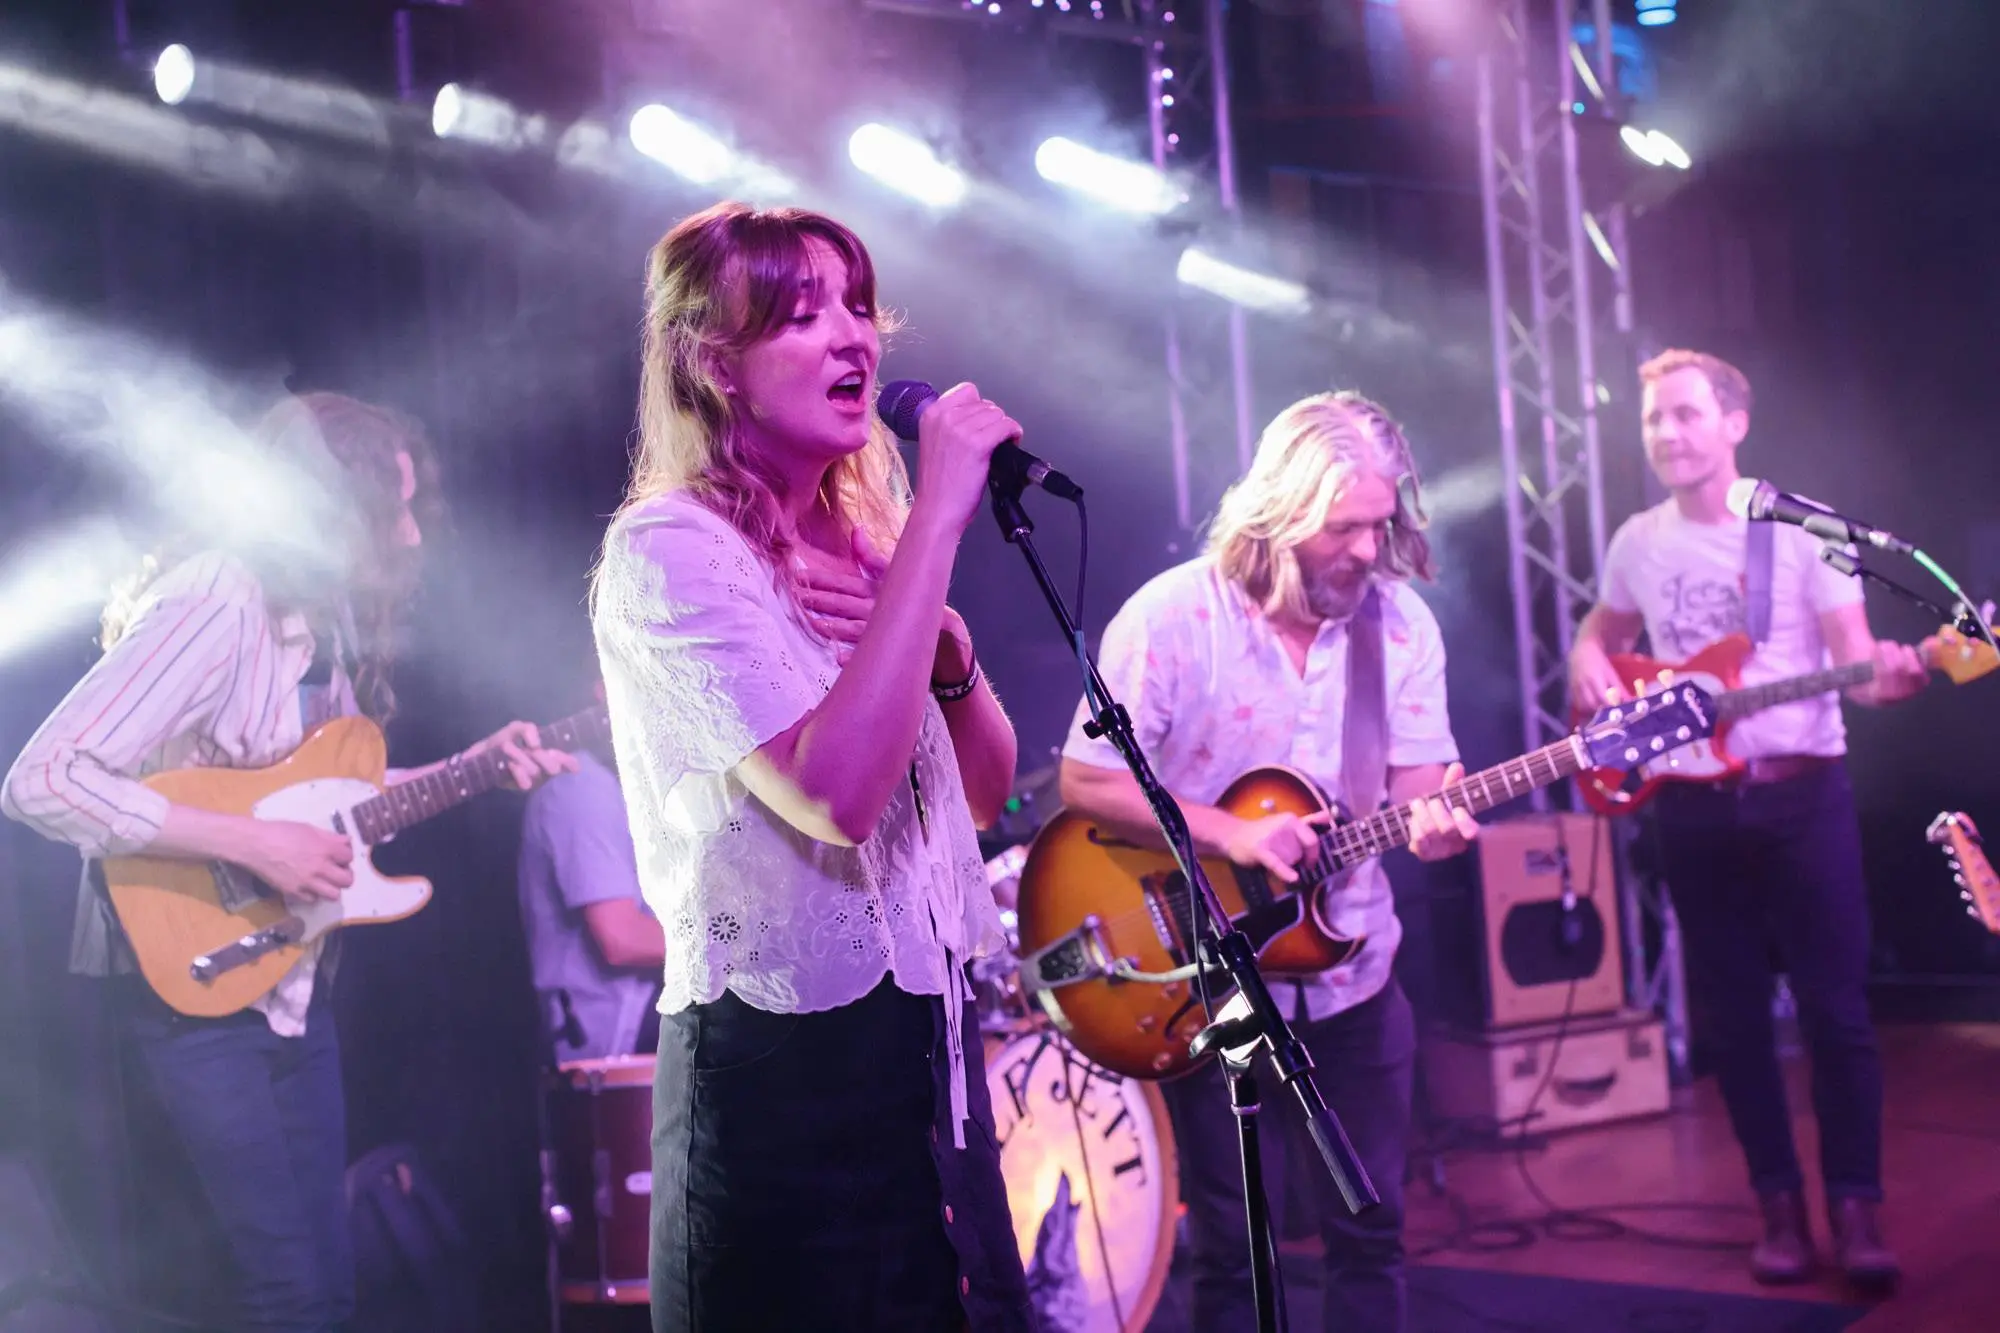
[206, 958]
[1107, 933]
[1718, 668]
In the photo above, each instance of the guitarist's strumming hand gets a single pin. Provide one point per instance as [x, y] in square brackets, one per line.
[1439, 831]
[1276, 842]
[299, 860]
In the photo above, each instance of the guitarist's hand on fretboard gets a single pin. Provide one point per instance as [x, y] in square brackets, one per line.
[1900, 673]
[528, 762]
[1439, 831]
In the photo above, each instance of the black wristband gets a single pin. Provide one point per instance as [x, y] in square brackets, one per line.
[953, 693]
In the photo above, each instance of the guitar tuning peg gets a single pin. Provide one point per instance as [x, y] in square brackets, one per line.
[1666, 675]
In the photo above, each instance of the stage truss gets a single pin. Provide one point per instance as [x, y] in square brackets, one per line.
[1558, 283]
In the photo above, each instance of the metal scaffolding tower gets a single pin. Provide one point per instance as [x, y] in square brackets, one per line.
[1553, 254]
[1544, 353]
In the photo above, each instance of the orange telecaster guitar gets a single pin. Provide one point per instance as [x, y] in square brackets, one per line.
[1719, 669]
[206, 958]
[1106, 932]
[1977, 883]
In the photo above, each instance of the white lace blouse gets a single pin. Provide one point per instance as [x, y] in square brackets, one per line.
[705, 660]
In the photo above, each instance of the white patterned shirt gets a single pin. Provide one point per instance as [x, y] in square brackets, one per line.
[704, 661]
[1213, 693]
[203, 677]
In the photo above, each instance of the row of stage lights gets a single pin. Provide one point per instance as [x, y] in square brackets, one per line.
[894, 158]
[899, 161]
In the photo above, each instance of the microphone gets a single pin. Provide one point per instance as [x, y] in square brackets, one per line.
[903, 401]
[1761, 502]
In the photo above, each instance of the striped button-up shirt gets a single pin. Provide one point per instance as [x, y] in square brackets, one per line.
[203, 677]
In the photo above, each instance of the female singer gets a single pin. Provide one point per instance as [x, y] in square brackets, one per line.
[806, 741]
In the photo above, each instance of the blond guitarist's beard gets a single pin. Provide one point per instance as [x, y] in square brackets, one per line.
[1335, 593]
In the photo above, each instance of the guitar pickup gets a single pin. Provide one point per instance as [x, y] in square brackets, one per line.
[247, 949]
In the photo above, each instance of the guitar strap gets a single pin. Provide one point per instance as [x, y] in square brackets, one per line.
[1364, 734]
[1758, 558]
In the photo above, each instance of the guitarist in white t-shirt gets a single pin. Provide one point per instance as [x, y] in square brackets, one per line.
[1765, 867]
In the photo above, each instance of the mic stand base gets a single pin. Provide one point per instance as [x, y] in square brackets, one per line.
[1223, 947]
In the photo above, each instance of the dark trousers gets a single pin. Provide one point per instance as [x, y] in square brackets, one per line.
[1773, 872]
[1362, 1061]
[805, 1175]
[264, 1121]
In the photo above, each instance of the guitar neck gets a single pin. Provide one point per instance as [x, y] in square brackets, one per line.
[1755, 698]
[461, 778]
[1350, 844]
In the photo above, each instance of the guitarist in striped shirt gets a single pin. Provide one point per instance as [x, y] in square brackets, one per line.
[228, 657]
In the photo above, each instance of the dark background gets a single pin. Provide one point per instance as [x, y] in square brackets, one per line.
[1836, 243]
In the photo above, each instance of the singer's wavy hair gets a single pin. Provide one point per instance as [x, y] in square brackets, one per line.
[1731, 386]
[1306, 462]
[721, 281]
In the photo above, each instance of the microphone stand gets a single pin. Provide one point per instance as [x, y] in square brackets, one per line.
[1221, 947]
[1962, 615]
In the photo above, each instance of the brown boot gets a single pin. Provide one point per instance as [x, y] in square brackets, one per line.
[1857, 1243]
[1785, 1254]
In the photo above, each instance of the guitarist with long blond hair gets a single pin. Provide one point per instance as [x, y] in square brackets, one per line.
[1768, 862]
[1296, 640]
[227, 657]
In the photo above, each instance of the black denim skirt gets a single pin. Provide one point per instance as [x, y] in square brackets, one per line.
[805, 1176]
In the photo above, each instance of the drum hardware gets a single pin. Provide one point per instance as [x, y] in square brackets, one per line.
[601, 1118]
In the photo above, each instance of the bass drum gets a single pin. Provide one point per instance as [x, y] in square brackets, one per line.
[1092, 1181]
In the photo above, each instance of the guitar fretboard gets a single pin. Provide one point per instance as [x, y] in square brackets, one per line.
[1350, 844]
[414, 800]
[1754, 698]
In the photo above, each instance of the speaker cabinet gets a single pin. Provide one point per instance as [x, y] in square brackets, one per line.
[1548, 918]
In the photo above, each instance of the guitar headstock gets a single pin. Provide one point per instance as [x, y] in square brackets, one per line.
[1627, 734]
[1977, 883]
[1959, 656]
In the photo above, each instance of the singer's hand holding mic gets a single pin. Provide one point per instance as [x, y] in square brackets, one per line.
[956, 432]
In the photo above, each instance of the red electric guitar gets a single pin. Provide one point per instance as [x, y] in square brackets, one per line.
[1718, 668]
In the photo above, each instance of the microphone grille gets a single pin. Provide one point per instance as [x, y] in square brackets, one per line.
[901, 402]
[1742, 498]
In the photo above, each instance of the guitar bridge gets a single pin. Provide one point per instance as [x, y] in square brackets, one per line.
[247, 949]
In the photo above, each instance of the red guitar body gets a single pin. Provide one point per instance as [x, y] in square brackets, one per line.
[1719, 669]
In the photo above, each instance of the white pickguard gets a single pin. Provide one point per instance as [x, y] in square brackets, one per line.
[373, 896]
[1698, 760]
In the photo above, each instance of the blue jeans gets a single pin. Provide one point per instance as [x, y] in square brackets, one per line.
[264, 1121]
[1363, 1060]
[1766, 872]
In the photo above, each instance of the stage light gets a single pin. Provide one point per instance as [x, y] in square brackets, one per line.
[1655, 148]
[1241, 286]
[1131, 187]
[173, 74]
[907, 165]
[447, 110]
[1655, 18]
[680, 145]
